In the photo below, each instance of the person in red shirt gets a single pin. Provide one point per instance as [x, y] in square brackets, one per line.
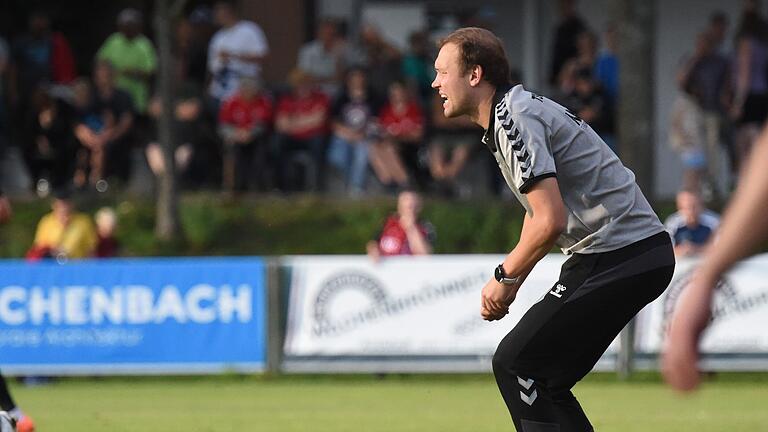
[301, 124]
[244, 122]
[403, 233]
[402, 130]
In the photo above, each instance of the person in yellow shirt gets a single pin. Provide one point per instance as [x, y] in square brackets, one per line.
[64, 232]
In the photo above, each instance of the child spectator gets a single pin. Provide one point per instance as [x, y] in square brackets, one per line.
[106, 222]
[354, 128]
[63, 233]
[244, 123]
[403, 233]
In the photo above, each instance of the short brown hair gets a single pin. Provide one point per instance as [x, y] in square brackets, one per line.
[480, 47]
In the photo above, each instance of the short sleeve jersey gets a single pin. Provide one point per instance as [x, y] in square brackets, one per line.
[533, 138]
[244, 38]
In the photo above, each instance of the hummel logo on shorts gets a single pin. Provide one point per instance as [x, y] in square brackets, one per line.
[557, 291]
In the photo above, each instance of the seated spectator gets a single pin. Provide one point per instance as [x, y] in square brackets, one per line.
[403, 233]
[51, 153]
[301, 124]
[450, 146]
[106, 222]
[402, 134]
[104, 128]
[353, 126]
[191, 153]
[63, 233]
[692, 226]
[245, 120]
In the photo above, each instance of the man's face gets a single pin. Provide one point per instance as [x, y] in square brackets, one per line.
[451, 83]
[689, 207]
[62, 210]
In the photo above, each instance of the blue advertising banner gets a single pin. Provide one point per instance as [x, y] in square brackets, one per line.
[158, 315]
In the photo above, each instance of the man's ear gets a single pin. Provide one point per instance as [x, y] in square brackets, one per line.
[475, 75]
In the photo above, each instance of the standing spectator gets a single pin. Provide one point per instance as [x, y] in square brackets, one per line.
[236, 51]
[607, 65]
[402, 134]
[133, 58]
[705, 77]
[353, 128]
[686, 137]
[691, 226]
[50, 155]
[39, 56]
[586, 50]
[192, 157]
[717, 29]
[566, 38]
[103, 126]
[301, 124]
[750, 105]
[193, 37]
[377, 56]
[450, 146]
[588, 102]
[323, 58]
[403, 233]
[107, 245]
[63, 233]
[417, 67]
[245, 120]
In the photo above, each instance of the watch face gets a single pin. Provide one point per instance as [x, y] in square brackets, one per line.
[499, 273]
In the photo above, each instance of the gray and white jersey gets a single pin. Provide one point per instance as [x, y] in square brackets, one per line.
[533, 138]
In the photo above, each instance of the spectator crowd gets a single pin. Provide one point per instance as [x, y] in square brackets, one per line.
[356, 114]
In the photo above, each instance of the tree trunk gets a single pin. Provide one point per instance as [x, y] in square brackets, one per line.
[167, 226]
[635, 21]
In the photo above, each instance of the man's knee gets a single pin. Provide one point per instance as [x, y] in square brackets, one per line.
[504, 360]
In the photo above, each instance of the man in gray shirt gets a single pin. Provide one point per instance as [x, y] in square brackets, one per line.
[577, 196]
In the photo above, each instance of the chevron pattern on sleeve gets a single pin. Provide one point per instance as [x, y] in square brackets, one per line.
[518, 146]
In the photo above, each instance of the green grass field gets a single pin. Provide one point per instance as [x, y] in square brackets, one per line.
[369, 404]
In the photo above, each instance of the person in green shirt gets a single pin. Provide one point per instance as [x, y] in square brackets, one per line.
[132, 56]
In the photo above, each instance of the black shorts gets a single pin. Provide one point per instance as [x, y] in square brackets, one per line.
[561, 337]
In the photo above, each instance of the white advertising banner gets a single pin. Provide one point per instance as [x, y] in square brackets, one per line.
[740, 311]
[401, 306]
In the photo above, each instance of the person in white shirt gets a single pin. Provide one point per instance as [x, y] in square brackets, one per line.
[323, 58]
[236, 51]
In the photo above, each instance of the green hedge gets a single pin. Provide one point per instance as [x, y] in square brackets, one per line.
[216, 225]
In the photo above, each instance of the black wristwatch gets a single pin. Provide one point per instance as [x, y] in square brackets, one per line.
[502, 277]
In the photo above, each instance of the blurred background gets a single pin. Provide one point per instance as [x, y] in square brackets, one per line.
[274, 184]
